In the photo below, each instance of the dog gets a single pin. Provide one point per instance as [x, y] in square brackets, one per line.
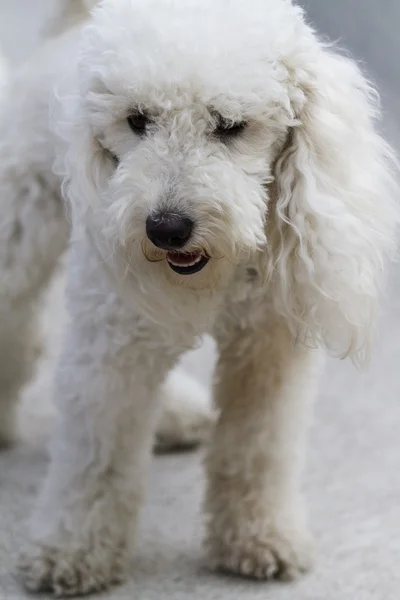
[223, 173]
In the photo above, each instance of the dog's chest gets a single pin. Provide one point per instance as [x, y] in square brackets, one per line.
[244, 298]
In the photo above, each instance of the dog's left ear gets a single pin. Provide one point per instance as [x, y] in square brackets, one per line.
[333, 216]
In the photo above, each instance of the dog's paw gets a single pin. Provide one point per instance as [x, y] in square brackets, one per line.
[187, 417]
[66, 572]
[272, 555]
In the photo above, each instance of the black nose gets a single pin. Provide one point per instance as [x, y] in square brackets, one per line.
[169, 231]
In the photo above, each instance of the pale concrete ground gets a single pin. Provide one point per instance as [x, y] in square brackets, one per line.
[352, 481]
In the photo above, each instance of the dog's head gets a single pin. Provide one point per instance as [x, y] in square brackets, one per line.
[207, 133]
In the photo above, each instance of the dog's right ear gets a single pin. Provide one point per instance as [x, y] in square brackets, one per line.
[332, 222]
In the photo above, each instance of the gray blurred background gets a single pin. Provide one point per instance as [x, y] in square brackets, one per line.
[369, 29]
[352, 481]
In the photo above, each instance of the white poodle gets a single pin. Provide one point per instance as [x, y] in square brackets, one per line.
[223, 174]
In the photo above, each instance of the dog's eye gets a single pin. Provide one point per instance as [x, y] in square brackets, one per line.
[229, 129]
[138, 122]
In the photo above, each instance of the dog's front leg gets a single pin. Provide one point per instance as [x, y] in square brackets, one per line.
[264, 385]
[107, 383]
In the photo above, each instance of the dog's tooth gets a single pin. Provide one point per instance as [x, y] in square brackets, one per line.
[185, 265]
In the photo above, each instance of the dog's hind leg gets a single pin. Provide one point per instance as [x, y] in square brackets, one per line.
[187, 415]
[265, 383]
[33, 234]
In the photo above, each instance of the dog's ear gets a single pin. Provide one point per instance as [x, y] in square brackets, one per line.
[333, 214]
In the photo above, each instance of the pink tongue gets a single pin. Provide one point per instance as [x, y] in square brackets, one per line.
[182, 259]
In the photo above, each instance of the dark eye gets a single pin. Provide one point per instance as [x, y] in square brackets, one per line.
[138, 122]
[229, 129]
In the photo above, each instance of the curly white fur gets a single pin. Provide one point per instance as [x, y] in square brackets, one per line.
[297, 213]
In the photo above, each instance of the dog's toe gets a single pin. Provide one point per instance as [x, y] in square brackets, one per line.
[272, 556]
[35, 572]
[67, 573]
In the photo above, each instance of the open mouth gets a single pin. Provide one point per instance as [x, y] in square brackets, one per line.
[187, 263]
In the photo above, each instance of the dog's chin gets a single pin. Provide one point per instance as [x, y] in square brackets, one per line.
[197, 269]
